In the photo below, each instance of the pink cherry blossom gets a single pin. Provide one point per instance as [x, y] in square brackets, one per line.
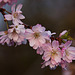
[16, 15]
[53, 53]
[36, 36]
[68, 52]
[17, 34]
[18, 28]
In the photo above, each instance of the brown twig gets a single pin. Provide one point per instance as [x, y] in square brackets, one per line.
[2, 10]
[27, 26]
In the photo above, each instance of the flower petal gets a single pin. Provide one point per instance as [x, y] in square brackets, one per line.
[8, 17]
[19, 7]
[13, 8]
[55, 44]
[32, 42]
[21, 16]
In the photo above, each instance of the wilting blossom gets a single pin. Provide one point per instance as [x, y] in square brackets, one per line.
[3, 2]
[36, 36]
[53, 53]
[5, 39]
[62, 33]
[68, 52]
[17, 34]
[16, 15]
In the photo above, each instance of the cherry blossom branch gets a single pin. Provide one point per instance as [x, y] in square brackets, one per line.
[55, 51]
[2, 10]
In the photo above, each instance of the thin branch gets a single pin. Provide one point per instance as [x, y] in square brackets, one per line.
[2, 10]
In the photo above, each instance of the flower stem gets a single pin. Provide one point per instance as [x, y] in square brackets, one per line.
[6, 23]
[2, 10]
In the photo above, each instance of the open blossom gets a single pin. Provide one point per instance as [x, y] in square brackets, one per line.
[68, 52]
[16, 15]
[53, 53]
[17, 34]
[18, 28]
[5, 39]
[36, 36]
[3, 2]
[14, 35]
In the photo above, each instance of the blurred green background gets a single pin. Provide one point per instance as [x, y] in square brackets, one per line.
[55, 15]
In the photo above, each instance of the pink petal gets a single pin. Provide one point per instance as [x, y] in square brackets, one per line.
[38, 28]
[19, 21]
[42, 40]
[15, 21]
[15, 37]
[71, 50]
[61, 34]
[35, 46]
[67, 44]
[22, 30]
[21, 16]
[53, 61]
[40, 51]
[2, 33]
[28, 36]
[20, 26]
[8, 17]
[0, 0]
[2, 40]
[19, 7]
[29, 31]
[13, 8]
[57, 58]
[55, 44]
[32, 42]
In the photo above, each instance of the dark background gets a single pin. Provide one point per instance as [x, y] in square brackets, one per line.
[55, 15]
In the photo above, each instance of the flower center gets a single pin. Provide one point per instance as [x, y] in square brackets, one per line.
[6, 32]
[53, 53]
[36, 35]
[47, 41]
[15, 15]
[16, 26]
[67, 53]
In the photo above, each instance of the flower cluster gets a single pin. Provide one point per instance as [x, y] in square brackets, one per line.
[16, 32]
[55, 51]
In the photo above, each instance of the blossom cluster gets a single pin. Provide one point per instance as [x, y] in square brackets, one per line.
[55, 51]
